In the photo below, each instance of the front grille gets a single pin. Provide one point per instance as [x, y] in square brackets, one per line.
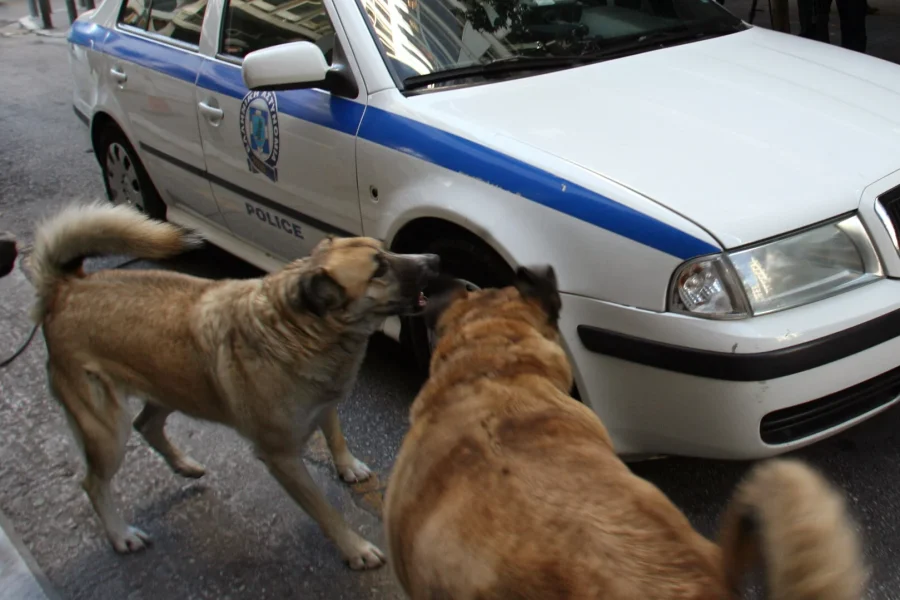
[890, 201]
[797, 422]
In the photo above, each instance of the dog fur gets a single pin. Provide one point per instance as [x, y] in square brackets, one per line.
[8, 253]
[271, 357]
[507, 488]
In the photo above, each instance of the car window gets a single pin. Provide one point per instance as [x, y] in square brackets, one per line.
[426, 37]
[177, 19]
[260, 24]
[135, 13]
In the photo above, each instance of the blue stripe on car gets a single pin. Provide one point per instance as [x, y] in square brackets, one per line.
[408, 136]
[517, 177]
[152, 55]
[85, 33]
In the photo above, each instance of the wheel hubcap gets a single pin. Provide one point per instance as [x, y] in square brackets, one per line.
[122, 177]
[470, 287]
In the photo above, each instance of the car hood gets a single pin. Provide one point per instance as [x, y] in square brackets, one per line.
[749, 135]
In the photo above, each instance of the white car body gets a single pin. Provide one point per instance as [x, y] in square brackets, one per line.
[664, 156]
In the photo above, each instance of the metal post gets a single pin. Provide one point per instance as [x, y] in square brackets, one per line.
[73, 12]
[46, 9]
[89, 4]
[32, 8]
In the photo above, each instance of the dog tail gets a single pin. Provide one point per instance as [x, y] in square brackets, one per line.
[788, 517]
[79, 231]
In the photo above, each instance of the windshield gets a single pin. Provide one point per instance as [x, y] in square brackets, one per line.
[429, 37]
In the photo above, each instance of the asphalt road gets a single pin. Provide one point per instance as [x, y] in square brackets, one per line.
[234, 533]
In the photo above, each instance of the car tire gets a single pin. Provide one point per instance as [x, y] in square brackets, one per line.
[124, 176]
[473, 261]
[467, 258]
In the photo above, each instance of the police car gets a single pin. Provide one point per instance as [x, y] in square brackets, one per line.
[720, 201]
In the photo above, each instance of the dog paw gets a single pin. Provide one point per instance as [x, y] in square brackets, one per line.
[188, 467]
[131, 540]
[354, 470]
[365, 556]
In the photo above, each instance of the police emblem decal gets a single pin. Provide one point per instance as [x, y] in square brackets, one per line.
[259, 132]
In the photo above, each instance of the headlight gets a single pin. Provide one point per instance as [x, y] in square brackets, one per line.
[797, 269]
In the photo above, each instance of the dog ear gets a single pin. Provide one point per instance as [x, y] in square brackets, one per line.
[442, 292]
[540, 284]
[320, 293]
[323, 244]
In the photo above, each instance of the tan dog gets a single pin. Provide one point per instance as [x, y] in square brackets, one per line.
[270, 357]
[506, 488]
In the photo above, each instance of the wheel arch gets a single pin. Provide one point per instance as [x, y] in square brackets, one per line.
[102, 124]
[406, 238]
[99, 123]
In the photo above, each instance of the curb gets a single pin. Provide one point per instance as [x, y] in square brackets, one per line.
[51, 33]
[32, 583]
[30, 23]
[35, 25]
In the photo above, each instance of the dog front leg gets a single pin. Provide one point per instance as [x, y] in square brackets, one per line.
[292, 474]
[350, 468]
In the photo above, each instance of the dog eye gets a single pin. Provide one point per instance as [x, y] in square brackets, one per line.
[382, 269]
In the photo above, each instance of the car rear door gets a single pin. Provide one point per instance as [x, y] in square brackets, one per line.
[153, 64]
[282, 164]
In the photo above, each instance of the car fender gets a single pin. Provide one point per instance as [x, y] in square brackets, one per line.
[90, 70]
[416, 212]
[399, 186]
[108, 104]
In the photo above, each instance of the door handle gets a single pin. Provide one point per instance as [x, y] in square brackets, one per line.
[213, 114]
[118, 75]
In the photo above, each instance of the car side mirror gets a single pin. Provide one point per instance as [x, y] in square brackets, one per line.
[295, 66]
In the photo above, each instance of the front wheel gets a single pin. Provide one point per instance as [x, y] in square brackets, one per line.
[124, 176]
[478, 266]
[469, 260]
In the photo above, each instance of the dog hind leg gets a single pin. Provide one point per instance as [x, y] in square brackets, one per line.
[350, 468]
[290, 471]
[101, 426]
[151, 423]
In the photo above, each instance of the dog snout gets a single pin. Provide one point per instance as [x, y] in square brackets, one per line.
[430, 268]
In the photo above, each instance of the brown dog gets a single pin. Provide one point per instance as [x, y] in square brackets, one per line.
[8, 253]
[506, 488]
[270, 357]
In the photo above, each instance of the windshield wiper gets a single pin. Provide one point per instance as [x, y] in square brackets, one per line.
[663, 37]
[599, 50]
[497, 67]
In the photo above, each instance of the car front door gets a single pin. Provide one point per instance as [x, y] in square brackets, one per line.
[282, 164]
[153, 64]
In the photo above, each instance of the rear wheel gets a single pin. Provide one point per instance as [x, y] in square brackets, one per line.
[124, 175]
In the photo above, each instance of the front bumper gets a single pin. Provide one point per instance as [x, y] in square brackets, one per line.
[670, 384]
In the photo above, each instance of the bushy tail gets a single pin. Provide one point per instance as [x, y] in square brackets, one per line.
[790, 518]
[79, 231]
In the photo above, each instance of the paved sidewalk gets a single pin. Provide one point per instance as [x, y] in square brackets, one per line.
[15, 17]
[20, 576]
